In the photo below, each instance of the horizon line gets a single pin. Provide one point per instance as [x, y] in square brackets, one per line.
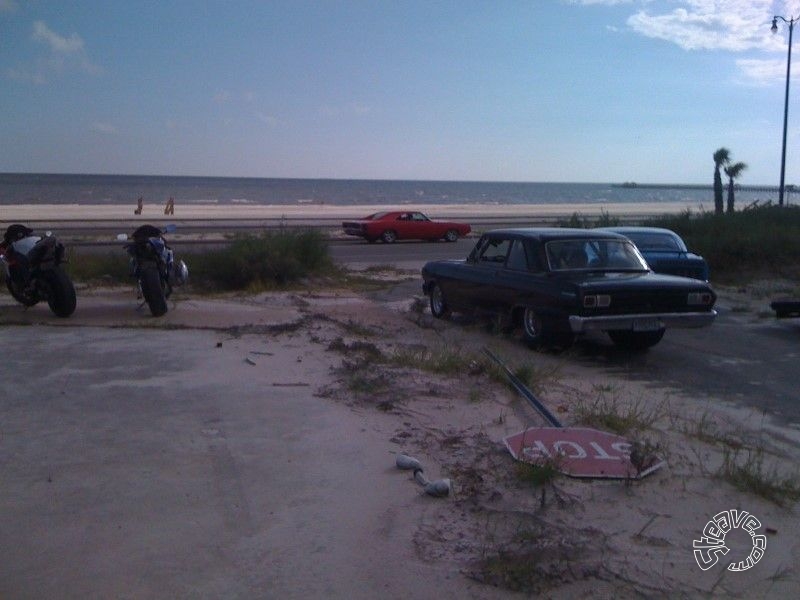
[626, 184]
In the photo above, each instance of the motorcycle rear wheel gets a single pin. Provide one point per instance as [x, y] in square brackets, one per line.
[25, 298]
[61, 293]
[153, 290]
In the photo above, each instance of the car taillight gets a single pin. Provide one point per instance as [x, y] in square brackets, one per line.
[699, 298]
[597, 301]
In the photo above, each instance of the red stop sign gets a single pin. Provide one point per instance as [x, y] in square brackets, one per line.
[580, 452]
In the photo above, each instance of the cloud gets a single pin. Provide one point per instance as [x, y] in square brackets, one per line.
[58, 44]
[762, 72]
[105, 128]
[61, 54]
[735, 25]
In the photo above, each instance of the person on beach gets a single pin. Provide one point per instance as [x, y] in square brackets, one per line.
[169, 209]
[139, 204]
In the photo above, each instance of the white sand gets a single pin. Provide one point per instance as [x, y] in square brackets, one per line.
[77, 212]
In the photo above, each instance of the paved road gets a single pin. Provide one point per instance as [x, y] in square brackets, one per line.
[751, 362]
[404, 255]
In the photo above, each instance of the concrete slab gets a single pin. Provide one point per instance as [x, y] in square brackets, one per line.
[159, 464]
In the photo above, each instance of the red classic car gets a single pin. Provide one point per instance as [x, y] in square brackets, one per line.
[396, 225]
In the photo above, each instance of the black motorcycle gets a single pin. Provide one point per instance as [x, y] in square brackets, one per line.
[34, 270]
[153, 264]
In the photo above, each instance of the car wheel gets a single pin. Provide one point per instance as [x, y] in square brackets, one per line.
[532, 328]
[451, 235]
[389, 236]
[636, 340]
[439, 308]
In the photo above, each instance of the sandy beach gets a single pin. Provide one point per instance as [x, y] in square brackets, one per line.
[326, 212]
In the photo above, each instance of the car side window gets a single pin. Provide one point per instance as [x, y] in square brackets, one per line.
[517, 257]
[476, 252]
[535, 256]
[656, 242]
[495, 251]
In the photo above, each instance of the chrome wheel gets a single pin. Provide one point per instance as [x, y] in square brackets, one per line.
[439, 308]
[532, 328]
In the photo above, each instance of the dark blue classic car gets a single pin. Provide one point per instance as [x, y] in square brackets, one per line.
[665, 251]
[559, 283]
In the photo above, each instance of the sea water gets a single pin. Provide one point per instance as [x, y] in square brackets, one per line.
[126, 189]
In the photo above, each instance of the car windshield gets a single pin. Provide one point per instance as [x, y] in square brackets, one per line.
[375, 216]
[655, 242]
[594, 254]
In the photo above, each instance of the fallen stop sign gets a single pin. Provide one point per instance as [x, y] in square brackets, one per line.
[580, 452]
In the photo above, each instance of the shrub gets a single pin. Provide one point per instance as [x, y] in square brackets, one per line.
[578, 221]
[763, 238]
[274, 257]
[110, 267]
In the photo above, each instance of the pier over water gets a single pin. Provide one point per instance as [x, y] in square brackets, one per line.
[680, 186]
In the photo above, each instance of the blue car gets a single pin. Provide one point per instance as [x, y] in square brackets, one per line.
[665, 251]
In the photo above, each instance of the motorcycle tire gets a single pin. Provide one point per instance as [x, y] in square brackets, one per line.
[24, 298]
[153, 291]
[61, 292]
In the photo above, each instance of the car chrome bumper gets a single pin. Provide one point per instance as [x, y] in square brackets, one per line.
[642, 322]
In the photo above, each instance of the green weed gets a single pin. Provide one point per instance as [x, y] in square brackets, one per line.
[746, 471]
[444, 361]
[91, 267]
[274, 258]
[609, 413]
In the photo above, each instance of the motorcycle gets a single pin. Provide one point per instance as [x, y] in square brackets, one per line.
[153, 264]
[34, 271]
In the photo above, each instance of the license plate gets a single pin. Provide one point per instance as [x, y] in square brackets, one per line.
[647, 325]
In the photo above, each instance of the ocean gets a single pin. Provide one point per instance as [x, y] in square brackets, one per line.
[16, 188]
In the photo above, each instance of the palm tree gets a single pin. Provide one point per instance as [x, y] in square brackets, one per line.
[733, 171]
[721, 157]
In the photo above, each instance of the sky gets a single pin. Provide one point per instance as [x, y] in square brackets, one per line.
[537, 90]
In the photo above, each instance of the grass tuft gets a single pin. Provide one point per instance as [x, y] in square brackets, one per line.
[746, 471]
[444, 361]
[609, 413]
